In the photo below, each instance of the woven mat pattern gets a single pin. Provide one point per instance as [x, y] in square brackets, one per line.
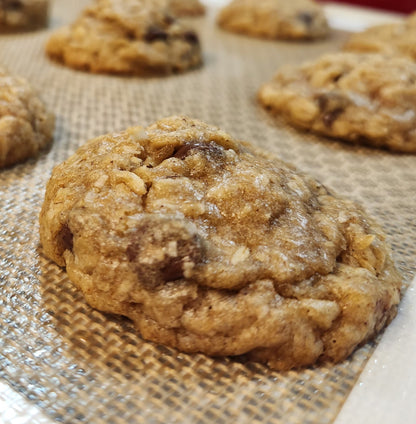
[80, 366]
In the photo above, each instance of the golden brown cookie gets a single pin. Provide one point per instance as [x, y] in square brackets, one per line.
[23, 15]
[212, 246]
[26, 126]
[276, 19]
[187, 7]
[396, 38]
[130, 37]
[360, 98]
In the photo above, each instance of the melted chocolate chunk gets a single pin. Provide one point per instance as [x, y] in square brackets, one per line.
[193, 147]
[191, 37]
[66, 238]
[130, 34]
[329, 117]
[12, 4]
[160, 249]
[173, 270]
[322, 101]
[306, 18]
[332, 105]
[169, 20]
[155, 34]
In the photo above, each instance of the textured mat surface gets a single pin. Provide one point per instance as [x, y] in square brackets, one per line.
[78, 365]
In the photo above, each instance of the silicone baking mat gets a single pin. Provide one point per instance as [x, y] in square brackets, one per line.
[76, 365]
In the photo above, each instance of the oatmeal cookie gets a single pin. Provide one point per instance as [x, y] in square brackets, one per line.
[187, 7]
[360, 98]
[23, 15]
[276, 19]
[212, 246]
[130, 37]
[26, 126]
[397, 38]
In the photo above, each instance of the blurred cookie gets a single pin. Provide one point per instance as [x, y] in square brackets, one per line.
[23, 15]
[187, 7]
[397, 38]
[26, 126]
[130, 37]
[361, 98]
[212, 246]
[277, 19]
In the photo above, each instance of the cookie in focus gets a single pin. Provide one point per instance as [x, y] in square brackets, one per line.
[210, 245]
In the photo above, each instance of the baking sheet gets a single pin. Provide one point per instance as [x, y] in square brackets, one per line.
[73, 364]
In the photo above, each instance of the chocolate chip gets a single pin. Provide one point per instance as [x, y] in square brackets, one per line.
[274, 219]
[173, 270]
[191, 37]
[322, 101]
[332, 105]
[185, 150]
[65, 238]
[306, 18]
[329, 117]
[169, 20]
[155, 34]
[13, 5]
[192, 147]
[131, 35]
[161, 248]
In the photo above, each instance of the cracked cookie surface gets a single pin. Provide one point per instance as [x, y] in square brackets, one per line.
[129, 37]
[275, 19]
[26, 127]
[360, 98]
[397, 38]
[210, 245]
[23, 15]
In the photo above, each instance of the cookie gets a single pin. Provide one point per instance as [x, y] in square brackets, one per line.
[187, 7]
[210, 245]
[130, 37]
[396, 38]
[359, 98]
[26, 126]
[23, 15]
[276, 19]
